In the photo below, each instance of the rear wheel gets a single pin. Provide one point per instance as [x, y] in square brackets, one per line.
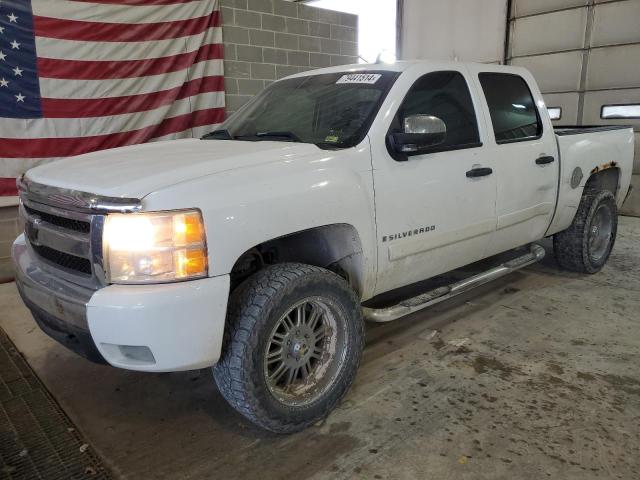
[292, 347]
[586, 245]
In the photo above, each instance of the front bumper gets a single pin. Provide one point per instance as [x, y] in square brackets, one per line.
[156, 328]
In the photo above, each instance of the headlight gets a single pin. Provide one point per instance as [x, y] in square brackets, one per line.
[154, 247]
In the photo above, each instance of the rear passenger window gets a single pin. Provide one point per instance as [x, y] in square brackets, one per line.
[513, 111]
[444, 95]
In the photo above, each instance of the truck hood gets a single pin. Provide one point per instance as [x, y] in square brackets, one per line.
[139, 170]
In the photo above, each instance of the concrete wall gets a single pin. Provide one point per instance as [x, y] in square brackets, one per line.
[584, 54]
[465, 30]
[266, 40]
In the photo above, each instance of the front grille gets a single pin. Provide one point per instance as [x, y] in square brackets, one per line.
[58, 221]
[70, 262]
[62, 239]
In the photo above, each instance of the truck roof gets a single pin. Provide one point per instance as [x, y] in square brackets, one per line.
[401, 66]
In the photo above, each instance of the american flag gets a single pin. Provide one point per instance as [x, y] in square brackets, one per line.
[78, 76]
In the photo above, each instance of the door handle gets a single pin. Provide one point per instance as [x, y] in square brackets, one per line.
[544, 160]
[479, 172]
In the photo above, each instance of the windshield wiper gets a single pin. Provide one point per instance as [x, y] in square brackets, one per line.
[222, 134]
[279, 134]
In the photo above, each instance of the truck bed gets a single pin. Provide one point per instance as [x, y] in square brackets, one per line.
[597, 148]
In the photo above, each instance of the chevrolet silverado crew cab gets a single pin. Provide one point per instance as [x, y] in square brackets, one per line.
[260, 248]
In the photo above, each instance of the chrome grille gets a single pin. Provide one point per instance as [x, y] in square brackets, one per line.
[62, 239]
[70, 262]
[68, 223]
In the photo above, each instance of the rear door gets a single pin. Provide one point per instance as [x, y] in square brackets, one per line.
[432, 214]
[523, 145]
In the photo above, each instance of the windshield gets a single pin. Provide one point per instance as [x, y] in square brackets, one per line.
[330, 110]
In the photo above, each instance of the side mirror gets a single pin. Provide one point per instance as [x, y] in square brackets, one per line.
[421, 132]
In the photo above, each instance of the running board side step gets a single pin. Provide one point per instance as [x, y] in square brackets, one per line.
[405, 307]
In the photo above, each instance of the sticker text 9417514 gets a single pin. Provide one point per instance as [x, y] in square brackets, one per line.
[368, 78]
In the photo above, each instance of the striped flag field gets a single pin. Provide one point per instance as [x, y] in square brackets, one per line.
[78, 76]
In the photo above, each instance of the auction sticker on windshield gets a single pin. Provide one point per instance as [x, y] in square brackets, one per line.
[369, 78]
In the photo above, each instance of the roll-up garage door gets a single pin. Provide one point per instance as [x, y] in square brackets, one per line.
[585, 55]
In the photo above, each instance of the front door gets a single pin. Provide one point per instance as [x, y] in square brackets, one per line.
[434, 211]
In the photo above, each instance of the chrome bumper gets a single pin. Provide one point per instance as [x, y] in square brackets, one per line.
[58, 306]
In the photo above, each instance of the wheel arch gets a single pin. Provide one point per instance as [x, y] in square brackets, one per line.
[604, 177]
[336, 247]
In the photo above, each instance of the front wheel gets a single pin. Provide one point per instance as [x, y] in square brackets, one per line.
[292, 346]
[586, 245]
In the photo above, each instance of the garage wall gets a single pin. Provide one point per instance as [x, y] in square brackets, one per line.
[265, 40]
[584, 54]
[465, 30]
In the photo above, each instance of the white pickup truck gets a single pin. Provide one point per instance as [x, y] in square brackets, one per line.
[260, 248]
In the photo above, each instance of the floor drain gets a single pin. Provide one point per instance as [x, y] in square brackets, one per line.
[37, 439]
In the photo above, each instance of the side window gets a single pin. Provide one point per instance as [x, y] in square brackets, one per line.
[444, 95]
[513, 112]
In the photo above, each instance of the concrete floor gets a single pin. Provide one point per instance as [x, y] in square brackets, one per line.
[533, 376]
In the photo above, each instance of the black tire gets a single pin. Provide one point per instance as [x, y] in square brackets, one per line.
[572, 247]
[255, 309]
